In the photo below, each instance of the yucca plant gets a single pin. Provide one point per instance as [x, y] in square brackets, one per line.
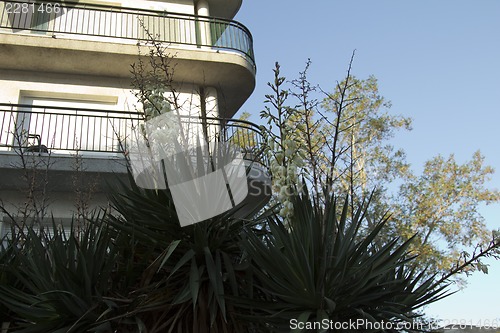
[57, 281]
[318, 267]
[187, 272]
[138, 270]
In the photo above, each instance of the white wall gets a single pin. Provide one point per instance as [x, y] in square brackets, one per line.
[16, 84]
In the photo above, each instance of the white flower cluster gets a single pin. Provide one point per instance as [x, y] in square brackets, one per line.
[163, 133]
[160, 131]
[286, 158]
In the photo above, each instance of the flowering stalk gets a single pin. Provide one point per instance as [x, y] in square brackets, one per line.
[283, 145]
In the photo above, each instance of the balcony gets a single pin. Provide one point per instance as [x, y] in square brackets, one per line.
[92, 39]
[64, 130]
[120, 23]
[101, 138]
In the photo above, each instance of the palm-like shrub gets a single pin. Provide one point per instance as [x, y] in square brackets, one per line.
[137, 270]
[318, 267]
[187, 272]
[54, 282]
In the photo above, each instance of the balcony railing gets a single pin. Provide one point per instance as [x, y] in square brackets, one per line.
[62, 129]
[65, 130]
[91, 21]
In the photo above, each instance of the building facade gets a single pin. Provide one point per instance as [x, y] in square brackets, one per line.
[66, 101]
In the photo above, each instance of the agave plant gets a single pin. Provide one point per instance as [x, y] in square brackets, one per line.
[319, 268]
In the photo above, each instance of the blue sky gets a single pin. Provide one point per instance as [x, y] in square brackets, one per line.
[436, 61]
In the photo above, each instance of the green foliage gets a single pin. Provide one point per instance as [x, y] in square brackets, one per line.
[319, 267]
[139, 271]
[54, 282]
[136, 271]
[365, 126]
[442, 206]
[188, 271]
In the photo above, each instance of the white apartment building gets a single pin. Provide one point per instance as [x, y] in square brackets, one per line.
[65, 89]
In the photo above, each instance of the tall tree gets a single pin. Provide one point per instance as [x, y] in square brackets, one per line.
[442, 206]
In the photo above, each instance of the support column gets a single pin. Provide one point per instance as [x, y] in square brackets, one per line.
[202, 9]
[210, 109]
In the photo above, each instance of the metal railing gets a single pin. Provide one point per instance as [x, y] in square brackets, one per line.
[61, 129]
[239, 133]
[101, 21]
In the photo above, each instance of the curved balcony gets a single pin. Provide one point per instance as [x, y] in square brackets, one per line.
[102, 136]
[122, 23]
